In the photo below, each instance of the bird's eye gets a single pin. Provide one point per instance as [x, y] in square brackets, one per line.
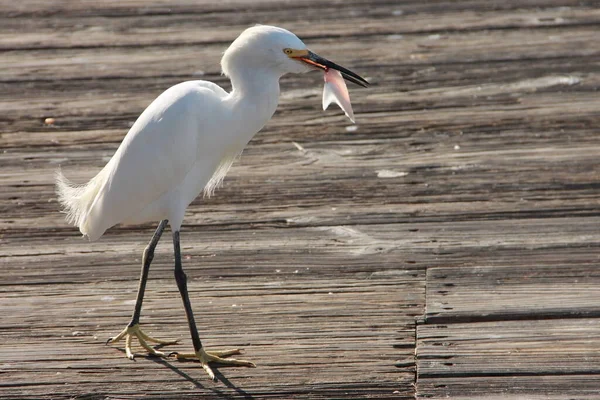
[287, 51]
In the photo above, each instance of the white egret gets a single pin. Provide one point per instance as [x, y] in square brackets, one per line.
[182, 144]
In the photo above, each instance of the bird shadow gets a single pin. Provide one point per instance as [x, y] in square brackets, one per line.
[218, 375]
[230, 385]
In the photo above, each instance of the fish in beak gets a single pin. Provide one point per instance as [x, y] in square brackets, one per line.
[335, 88]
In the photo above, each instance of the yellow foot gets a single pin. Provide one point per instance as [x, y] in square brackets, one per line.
[218, 357]
[130, 331]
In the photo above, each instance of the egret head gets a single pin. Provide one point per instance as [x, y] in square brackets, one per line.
[278, 50]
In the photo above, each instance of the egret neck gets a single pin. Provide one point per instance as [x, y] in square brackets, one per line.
[253, 98]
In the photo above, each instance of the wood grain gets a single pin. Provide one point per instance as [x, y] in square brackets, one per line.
[535, 350]
[502, 331]
[57, 333]
[476, 145]
[551, 387]
[487, 294]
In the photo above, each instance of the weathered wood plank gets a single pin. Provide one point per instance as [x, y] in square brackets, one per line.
[127, 7]
[525, 343]
[473, 47]
[538, 349]
[551, 387]
[350, 331]
[496, 293]
[415, 180]
[238, 252]
[200, 25]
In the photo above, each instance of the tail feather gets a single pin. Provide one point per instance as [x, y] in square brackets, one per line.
[76, 200]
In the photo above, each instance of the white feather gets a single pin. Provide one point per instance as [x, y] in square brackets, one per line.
[76, 199]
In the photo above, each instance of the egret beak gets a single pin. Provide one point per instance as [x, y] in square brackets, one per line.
[319, 62]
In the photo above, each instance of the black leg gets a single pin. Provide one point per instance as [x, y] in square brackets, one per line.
[146, 260]
[133, 329]
[203, 356]
[181, 279]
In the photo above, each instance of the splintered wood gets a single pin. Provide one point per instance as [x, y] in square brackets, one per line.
[445, 246]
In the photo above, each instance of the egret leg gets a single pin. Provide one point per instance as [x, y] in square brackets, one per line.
[133, 328]
[205, 357]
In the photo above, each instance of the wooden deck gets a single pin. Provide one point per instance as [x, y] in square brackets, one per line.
[446, 246]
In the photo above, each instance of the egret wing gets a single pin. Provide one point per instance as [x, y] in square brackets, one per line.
[156, 155]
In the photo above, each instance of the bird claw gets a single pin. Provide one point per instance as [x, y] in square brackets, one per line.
[218, 357]
[135, 331]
